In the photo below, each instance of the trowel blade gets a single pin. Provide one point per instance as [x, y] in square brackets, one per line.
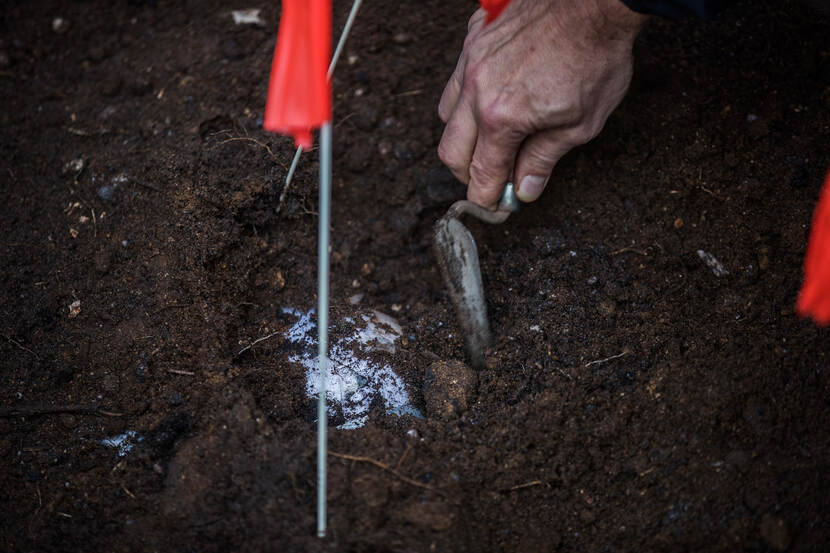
[458, 259]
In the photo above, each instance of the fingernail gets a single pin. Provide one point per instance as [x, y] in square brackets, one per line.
[531, 188]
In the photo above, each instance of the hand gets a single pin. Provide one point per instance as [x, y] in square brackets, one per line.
[531, 85]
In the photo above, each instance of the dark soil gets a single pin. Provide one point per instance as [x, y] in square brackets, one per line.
[634, 401]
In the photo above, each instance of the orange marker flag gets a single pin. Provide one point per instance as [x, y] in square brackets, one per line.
[814, 298]
[299, 95]
[493, 8]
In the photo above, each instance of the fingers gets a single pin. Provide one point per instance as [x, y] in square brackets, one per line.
[536, 159]
[452, 91]
[459, 141]
[492, 162]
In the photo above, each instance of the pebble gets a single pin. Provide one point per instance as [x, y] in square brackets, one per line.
[60, 25]
[107, 193]
[448, 388]
[73, 167]
[385, 146]
[402, 38]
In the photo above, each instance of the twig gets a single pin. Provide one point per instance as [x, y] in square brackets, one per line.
[255, 342]
[409, 93]
[128, 492]
[257, 142]
[386, 468]
[632, 250]
[21, 346]
[525, 485]
[179, 371]
[34, 410]
[716, 196]
[406, 451]
[598, 361]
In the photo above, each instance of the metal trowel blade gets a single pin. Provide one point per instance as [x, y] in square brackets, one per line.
[458, 258]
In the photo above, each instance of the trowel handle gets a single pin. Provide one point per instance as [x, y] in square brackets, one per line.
[508, 204]
[509, 201]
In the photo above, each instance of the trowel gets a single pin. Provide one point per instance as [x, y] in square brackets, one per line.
[458, 258]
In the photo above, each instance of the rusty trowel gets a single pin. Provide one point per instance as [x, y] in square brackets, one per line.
[458, 258]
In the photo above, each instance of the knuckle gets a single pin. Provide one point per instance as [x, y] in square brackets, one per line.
[495, 116]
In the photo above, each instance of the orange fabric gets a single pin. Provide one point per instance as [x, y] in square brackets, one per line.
[493, 8]
[814, 299]
[299, 96]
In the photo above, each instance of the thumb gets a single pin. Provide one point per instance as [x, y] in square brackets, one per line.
[537, 157]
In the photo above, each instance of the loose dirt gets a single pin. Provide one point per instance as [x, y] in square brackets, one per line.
[635, 400]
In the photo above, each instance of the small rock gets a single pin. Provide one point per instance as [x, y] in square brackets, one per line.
[355, 299]
[448, 388]
[712, 263]
[592, 280]
[774, 531]
[247, 17]
[678, 223]
[385, 146]
[388, 122]
[402, 38]
[74, 309]
[73, 167]
[107, 193]
[60, 25]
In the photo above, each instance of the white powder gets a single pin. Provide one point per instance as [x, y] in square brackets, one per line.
[352, 380]
[123, 443]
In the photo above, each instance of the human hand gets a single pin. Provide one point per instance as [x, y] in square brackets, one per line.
[531, 85]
